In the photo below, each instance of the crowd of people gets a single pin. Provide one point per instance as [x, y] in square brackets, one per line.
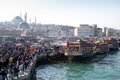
[15, 56]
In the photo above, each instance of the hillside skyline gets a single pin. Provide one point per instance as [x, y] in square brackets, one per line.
[104, 13]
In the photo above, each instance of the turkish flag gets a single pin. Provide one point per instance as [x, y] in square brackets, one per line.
[67, 44]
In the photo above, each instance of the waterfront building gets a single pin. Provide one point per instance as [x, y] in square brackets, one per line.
[99, 32]
[105, 32]
[85, 30]
[56, 31]
[68, 31]
[117, 33]
[110, 32]
[11, 32]
[95, 30]
[52, 30]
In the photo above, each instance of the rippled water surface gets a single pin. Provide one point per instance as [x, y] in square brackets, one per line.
[107, 68]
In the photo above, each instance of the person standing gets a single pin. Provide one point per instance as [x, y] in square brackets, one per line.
[0, 74]
[16, 71]
[11, 74]
[4, 74]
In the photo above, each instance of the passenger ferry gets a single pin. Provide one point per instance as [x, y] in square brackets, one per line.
[113, 44]
[79, 49]
[100, 47]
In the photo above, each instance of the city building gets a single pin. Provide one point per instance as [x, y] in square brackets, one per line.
[105, 32]
[20, 27]
[117, 33]
[85, 30]
[95, 30]
[110, 32]
[99, 32]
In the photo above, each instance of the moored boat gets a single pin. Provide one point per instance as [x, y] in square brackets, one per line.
[78, 50]
[112, 44]
[100, 47]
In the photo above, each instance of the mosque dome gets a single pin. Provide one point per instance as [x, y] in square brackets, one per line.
[17, 20]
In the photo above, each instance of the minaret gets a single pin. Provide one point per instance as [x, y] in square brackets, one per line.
[25, 17]
[35, 20]
[30, 20]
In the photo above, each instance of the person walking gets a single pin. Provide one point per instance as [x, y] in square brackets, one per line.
[16, 71]
[11, 74]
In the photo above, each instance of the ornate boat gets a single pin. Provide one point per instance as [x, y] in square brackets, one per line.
[78, 50]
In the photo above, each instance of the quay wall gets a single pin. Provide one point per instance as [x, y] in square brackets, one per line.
[38, 59]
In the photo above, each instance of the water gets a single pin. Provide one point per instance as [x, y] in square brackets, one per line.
[107, 68]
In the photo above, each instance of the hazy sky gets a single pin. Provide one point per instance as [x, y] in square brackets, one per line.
[66, 12]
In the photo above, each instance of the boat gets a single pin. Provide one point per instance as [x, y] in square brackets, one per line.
[78, 50]
[113, 44]
[100, 47]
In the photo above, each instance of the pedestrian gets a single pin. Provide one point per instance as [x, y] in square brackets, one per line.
[4, 74]
[0, 74]
[11, 74]
[16, 71]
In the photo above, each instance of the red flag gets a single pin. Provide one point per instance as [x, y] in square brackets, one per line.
[67, 44]
[104, 40]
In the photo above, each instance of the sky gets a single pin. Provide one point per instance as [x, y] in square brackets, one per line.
[104, 13]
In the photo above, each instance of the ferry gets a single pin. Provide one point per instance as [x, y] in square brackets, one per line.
[100, 47]
[79, 49]
[112, 44]
[119, 42]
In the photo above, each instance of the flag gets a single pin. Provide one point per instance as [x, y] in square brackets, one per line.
[67, 44]
[104, 40]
